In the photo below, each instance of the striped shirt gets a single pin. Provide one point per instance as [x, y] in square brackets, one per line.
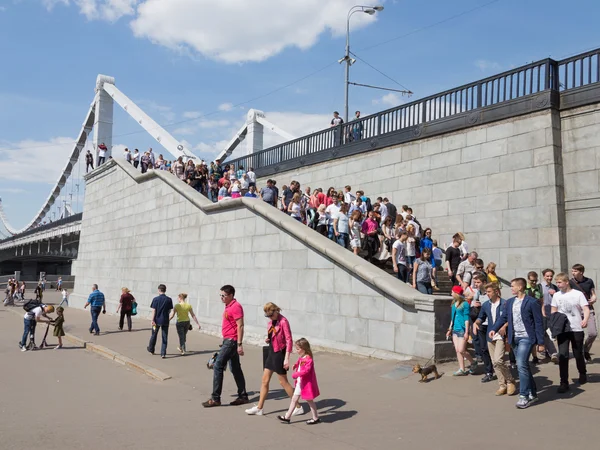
[96, 299]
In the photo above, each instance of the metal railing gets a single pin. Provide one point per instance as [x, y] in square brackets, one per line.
[520, 82]
[49, 226]
[579, 70]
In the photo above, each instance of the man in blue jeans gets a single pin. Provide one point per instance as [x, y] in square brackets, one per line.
[96, 300]
[525, 328]
[161, 309]
[231, 350]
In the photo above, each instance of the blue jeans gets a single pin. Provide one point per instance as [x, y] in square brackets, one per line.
[330, 232]
[95, 310]
[228, 353]
[424, 288]
[28, 328]
[522, 348]
[154, 336]
[343, 239]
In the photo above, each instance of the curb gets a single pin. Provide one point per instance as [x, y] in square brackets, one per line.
[112, 355]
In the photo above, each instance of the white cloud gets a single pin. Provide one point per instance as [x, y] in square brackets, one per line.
[227, 30]
[150, 106]
[485, 65]
[225, 106]
[191, 114]
[213, 123]
[110, 10]
[16, 159]
[390, 99]
[12, 190]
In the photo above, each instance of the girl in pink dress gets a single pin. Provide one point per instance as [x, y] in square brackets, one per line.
[306, 383]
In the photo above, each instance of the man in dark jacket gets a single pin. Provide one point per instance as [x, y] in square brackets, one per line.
[489, 315]
[525, 329]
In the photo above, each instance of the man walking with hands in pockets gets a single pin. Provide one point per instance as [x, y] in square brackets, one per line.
[231, 350]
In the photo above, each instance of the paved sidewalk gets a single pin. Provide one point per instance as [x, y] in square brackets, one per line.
[371, 404]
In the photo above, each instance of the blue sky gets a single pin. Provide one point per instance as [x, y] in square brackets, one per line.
[183, 59]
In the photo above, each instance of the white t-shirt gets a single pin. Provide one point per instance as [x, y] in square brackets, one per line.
[35, 313]
[400, 252]
[571, 304]
[64, 294]
[494, 309]
[332, 210]
[251, 176]
[384, 213]
[518, 325]
[101, 153]
[349, 198]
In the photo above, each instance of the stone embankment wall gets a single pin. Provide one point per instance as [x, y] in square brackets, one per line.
[501, 184]
[142, 230]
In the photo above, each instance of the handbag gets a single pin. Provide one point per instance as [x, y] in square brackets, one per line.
[134, 309]
[190, 327]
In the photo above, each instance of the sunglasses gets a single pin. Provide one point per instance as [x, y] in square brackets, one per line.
[270, 314]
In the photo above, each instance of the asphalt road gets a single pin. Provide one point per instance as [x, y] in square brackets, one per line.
[72, 399]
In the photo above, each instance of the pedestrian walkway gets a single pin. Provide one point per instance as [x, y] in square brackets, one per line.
[365, 403]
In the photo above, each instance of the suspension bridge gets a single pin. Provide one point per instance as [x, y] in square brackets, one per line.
[51, 237]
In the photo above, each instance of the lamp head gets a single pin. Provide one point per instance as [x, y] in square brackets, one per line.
[378, 8]
[369, 11]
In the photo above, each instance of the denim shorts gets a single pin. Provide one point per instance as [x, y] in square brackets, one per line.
[458, 334]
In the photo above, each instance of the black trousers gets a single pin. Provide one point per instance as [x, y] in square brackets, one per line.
[575, 338]
[88, 165]
[372, 246]
[122, 319]
[483, 349]
[136, 163]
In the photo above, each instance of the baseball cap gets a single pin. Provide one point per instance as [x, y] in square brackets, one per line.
[457, 290]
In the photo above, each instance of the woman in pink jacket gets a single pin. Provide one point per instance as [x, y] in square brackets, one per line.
[276, 358]
[306, 383]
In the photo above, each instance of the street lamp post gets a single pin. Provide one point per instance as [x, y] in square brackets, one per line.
[370, 10]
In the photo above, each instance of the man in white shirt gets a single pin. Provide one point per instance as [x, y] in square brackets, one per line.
[332, 211]
[384, 213]
[32, 317]
[574, 305]
[101, 154]
[251, 177]
[348, 195]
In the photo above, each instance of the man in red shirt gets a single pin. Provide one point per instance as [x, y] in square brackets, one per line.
[231, 350]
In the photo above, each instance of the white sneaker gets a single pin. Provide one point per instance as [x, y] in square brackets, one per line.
[254, 411]
[24, 349]
[298, 411]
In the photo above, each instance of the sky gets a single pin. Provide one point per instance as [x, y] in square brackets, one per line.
[197, 66]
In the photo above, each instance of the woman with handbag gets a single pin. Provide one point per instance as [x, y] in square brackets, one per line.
[125, 307]
[183, 310]
[276, 357]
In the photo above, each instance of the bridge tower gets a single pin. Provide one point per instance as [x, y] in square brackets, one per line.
[103, 121]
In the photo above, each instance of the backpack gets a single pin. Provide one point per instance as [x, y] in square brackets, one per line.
[134, 309]
[31, 304]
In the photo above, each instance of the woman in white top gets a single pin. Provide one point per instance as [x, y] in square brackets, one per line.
[235, 189]
[411, 247]
[464, 247]
[323, 220]
[294, 207]
[388, 233]
[355, 223]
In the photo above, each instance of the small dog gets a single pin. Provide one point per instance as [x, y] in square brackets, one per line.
[425, 372]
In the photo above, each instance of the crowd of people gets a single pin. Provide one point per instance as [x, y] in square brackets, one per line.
[276, 355]
[541, 320]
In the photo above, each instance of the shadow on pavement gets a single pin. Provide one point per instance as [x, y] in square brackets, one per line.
[329, 410]
[126, 331]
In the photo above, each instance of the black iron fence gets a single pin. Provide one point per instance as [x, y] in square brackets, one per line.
[520, 82]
